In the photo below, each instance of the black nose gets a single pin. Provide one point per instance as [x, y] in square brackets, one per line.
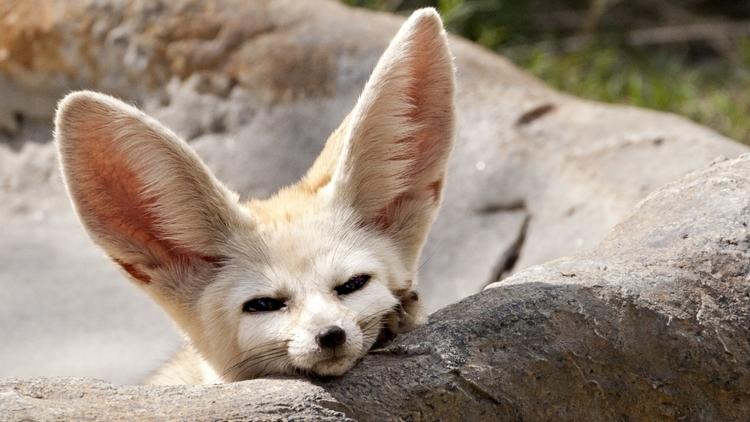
[330, 337]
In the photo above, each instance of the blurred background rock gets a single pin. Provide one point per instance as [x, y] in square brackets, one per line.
[690, 57]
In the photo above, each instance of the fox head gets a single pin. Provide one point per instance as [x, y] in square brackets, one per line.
[306, 280]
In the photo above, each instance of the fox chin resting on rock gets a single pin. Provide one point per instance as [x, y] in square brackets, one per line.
[304, 282]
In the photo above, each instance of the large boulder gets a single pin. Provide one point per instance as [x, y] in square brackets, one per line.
[652, 324]
[256, 88]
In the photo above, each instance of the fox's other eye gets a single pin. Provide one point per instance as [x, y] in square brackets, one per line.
[263, 304]
[353, 284]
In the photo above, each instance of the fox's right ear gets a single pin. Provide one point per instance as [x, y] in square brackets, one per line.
[141, 193]
[396, 142]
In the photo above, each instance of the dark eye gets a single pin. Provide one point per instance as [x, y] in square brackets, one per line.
[353, 284]
[263, 304]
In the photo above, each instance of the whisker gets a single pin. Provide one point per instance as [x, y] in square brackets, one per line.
[432, 254]
[271, 344]
[266, 360]
[264, 252]
[258, 351]
[372, 332]
[244, 366]
[249, 358]
[374, 316]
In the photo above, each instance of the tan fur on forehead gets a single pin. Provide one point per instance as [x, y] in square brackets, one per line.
[304, 196]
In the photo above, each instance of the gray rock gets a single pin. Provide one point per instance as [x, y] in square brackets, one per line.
[63, 399]
[257, 88]
[652, 324]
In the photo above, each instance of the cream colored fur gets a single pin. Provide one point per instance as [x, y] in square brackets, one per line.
[364, 207]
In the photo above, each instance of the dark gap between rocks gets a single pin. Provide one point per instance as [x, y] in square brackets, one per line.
[507, 261]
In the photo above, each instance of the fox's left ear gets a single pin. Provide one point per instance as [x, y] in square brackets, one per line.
[144, 195]
[397, 139]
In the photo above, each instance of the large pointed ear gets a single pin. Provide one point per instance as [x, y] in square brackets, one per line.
[142, 193]
[397, 139]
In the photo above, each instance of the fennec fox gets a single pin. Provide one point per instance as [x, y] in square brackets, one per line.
[303, 282]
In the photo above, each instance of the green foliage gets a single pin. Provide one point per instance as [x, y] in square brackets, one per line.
[711, 89]
[714, 93]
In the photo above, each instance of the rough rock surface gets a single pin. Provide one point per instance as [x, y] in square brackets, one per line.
[654, 324]
[256, 88]
[63, 399]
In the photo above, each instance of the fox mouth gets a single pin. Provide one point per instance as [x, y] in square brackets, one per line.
[333, 365]
[331, 360]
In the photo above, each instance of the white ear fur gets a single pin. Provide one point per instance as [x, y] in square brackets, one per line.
[398, 137]
[142, 194]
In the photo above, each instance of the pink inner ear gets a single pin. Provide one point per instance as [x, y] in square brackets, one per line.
[430, 142]
[385, 216]
[133, 271]
[427, 93]
[436, 188]
[110, 195]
